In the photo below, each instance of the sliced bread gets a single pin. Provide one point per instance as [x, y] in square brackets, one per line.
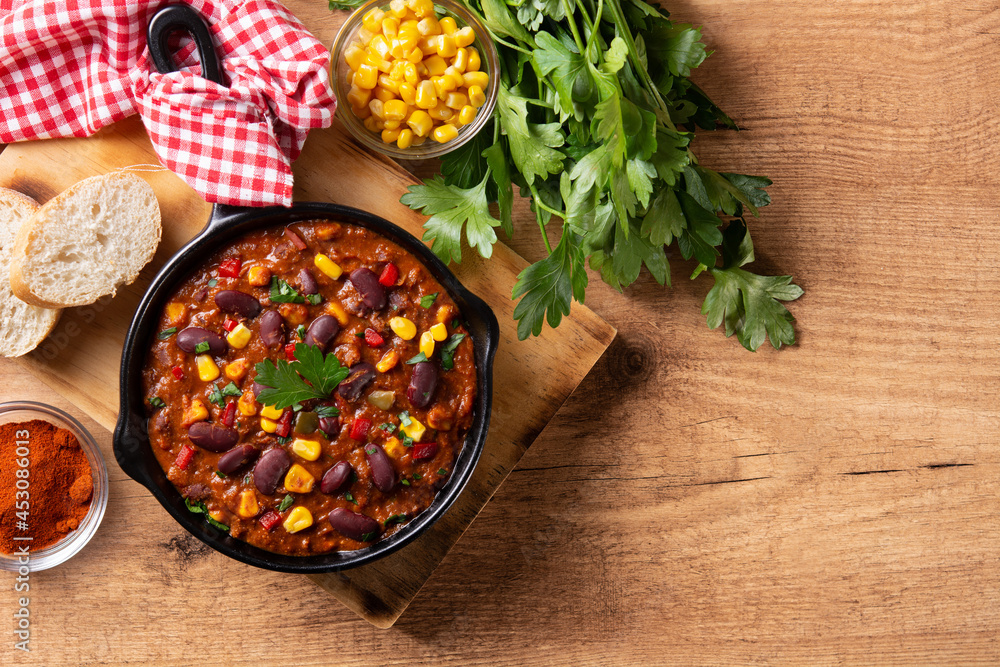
[22, 327]
[86, 242]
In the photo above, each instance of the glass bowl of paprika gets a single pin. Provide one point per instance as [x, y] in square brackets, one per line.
[53, 486]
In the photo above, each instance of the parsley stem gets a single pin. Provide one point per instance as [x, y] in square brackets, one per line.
[497, 39]
[594, 33]
[538, 215]
[568, 8]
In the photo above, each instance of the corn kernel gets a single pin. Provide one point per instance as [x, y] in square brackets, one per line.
[441, 113]
[268, 425]
[439, 332]
[475, 62]
[438, 420]
[327, 266]
[247, 405]
[388, 361]
[444, 314]
[398, 72]
[298, 520]
[481, 79]
[239, 337]
[465, 36]
[196, 412]
[365, 35]
[421, 69]
[293, 313]
[447, 47]
[249, 507]
[456, 100]
[176, 312]
[207, 368]
[354, 55]
[421, 123]
[436, 65]
[461, 60]
[361, 112]
[271, 412]
[236, 369]
[382, 95]
[429, 26]
[408, 94]
[443, 85]
[218, 515]
[426, 96]
[427, 344]
[306, 449]
[443, 134]
[373, 124]
[259, 276]
[386, 82]
[378, 109]
[405, 139]
[457, 77]
[421, 8]
[414, 429]
[394, 448]
[414, 56]
[389, 136]
[417, 140]
[298, 479]
[394, 110]
[390, 26]
[409, 39]
[373, 19]
[466, 114]
[403, 328]
[397, 8]
[359, 97]
[477, 97]
[366, 76]
[335, 309]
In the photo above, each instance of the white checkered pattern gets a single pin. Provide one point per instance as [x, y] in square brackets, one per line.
[68, 68]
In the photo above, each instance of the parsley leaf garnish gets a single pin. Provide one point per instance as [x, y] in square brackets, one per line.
[286, 502]
[448, 351]
[202, 347]
[217, 395]
[311, 375]
[166, 333]
[395, 518]
[282, 292]
[156, 402]
[327, 411]
[428, 301]
[417, 359]
[548, 287]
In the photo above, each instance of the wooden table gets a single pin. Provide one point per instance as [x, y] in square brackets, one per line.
[835, 502]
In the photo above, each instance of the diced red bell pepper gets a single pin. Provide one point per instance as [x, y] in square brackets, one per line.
[373, 338]
[229, 324]
[424, 450]
[295, 239]
[178, 372]
[229, 416]
[230, 268]
[184, 457]
[389, 275]
[359, 428]
[284, 424]
[270, 519]
[290, 352]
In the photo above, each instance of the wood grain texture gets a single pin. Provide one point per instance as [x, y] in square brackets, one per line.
[834, 503]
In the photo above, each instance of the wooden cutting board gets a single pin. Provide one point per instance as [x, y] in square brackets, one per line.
[533, 378]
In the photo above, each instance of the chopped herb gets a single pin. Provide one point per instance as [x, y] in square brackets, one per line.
[220, 474]
[286, 502]
[218, 395]
[455, 323]
[213, 282]
[282, 292]
[246, 480]
[301, 331]
[166, 333]
[388, 427]
[156, 402]
[448, 351]
[360, 334]
[284, 440]
[405, 482]
[407, 440]
[367, 537]
[428, 301]
[354, 477]
[404, 417]
[198, 507]
[314, 299]
[394, 306]
[395, 518]
[350, 497]
[202, 347]
[417, 359]
[327, 411]
[442, 471]
[417, 477]
[217, 524]
[311, 375]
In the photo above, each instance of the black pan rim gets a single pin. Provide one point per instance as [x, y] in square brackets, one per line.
[129, 438]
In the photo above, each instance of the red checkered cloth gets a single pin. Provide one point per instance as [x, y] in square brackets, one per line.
[69, 68]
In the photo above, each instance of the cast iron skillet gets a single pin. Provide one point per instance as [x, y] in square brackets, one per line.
[131, 441]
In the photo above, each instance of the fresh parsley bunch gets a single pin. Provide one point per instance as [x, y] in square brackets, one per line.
[594, 120]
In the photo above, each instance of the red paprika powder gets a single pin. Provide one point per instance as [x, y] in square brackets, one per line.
[60, 485]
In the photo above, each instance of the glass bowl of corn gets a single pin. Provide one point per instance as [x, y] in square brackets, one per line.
[414, 79]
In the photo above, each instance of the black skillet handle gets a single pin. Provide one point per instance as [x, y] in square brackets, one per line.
[182, 17]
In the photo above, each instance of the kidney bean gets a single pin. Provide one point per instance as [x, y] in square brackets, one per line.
[383, 474]
[308, 282]
[236, 458]
[335, 477]
[272, 328]
[213, 437]
[270, 469]
[353, 525]
[371, 290]
[189, 338]
[295, 239]
[239, 303]
[322, 330]
[257, 387]
[361, 377]
[330, 426]
[196, 492]
[422, 384]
